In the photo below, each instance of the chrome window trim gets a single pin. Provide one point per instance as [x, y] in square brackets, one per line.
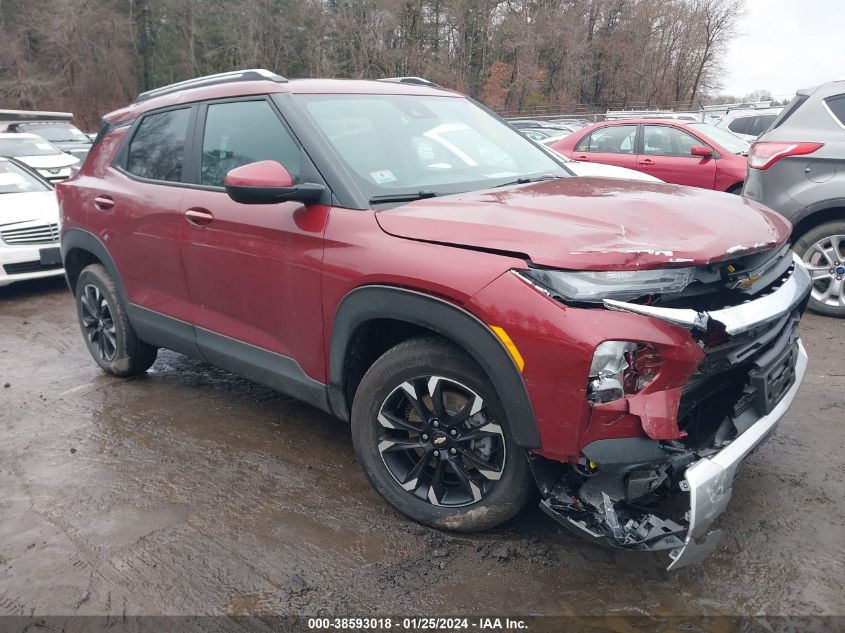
[832, 115]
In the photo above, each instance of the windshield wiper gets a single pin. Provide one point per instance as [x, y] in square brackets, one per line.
[403, 197]
[525, 181]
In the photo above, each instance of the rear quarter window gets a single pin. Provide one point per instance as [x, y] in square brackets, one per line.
[158, 148]
[836, 105]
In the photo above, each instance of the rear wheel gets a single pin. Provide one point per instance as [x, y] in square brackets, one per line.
[105, 325]
[823, 251]
[429, 432]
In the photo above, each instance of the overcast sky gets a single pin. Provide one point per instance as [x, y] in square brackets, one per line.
[784, 45]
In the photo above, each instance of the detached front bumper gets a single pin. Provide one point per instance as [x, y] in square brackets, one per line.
[710, 480]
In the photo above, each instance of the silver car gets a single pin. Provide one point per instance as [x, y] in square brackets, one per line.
[797, 167]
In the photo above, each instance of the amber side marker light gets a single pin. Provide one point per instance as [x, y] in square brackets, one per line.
[509, 345]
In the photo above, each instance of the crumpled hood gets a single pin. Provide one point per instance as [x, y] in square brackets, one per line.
[594, 223]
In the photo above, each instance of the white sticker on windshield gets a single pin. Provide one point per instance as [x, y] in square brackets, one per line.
[382, 176]
[44, 146]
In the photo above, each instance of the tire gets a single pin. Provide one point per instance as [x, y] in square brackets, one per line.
[105, 325]
[394, 444]
[823, 250]
[736, 189]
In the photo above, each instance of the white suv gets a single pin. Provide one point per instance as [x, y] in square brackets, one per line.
[748, 124]
[29, 225]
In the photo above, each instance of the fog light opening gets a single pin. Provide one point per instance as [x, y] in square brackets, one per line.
[621, 368]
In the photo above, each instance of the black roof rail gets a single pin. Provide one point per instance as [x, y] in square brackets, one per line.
[419, 81]
[251, 74]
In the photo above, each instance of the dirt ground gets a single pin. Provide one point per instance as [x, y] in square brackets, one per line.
[191, 491]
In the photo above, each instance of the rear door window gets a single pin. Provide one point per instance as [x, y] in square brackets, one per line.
[836, 105]
[244, 132]
[616, 139]
[158, 148]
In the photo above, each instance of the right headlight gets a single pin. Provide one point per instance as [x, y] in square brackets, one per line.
[596, 286]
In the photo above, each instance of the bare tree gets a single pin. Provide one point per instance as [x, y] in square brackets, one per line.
[91, 55]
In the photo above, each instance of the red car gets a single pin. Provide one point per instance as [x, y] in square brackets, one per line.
[392, 253]
[693, 154]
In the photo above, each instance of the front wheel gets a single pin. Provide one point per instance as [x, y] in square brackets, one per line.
[823, 251]
[429, 432]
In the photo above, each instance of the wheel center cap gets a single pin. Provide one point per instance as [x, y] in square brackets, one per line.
[840, 270]
[439, 439]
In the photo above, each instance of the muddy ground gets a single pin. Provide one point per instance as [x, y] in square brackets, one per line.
[191, 491]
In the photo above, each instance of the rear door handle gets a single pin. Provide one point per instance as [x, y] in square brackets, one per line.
[582, 157]
[199, 217]
[104, 202]
[646, 161]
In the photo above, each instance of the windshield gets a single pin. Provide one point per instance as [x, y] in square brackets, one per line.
[725, 139]
[26, 147]
[56, 132]
[13, 179]
[409, 143]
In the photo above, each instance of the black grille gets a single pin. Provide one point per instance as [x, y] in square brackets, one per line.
[38, 234]
[752, 370]
[28, 267]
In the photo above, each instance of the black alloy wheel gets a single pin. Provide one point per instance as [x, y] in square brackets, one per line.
[439, 442]
[98, 323]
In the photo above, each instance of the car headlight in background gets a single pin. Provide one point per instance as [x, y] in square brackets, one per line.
[596, 286]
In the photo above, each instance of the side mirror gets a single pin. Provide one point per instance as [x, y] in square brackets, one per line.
[701, 150]
[268, 182]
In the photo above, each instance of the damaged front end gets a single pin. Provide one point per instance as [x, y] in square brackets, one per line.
[622, 492]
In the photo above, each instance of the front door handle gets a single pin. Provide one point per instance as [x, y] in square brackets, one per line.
[646, 161]
[199, 217]
[583, 157]
[104, 202]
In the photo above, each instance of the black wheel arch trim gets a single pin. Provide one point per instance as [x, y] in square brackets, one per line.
[457, 324]
[826, 205]
[73, 238]
[828, 210]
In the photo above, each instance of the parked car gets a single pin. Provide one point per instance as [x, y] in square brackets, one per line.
[393, 254]
[29, 225]
[527, 124]
[748, 124]
[38, 153]
[600, 170]
[797, 168]
[65, 136]
[694, 154]
[543, 134]
[574, 123]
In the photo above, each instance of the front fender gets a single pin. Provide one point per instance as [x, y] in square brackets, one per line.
[459, 325]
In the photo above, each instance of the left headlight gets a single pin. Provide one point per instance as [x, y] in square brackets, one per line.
[595, 286]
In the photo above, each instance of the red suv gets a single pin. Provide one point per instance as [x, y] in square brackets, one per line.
[394, 254]
[682, 153]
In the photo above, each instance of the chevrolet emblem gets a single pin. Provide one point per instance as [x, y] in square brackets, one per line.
[439, 441]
